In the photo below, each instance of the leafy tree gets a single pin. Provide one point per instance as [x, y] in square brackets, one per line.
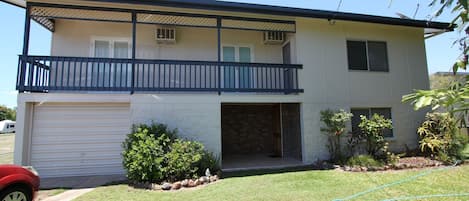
[7, 113]
[334, 126]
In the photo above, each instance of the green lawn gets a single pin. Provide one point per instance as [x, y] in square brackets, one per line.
[7, 142]
[308, 185]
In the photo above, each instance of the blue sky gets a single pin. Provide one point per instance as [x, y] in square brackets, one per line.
[440, 52]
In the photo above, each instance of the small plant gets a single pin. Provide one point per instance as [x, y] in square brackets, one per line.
[372, 130]
[364, 161]
[334, 126]
[441, 138]
[210, 161]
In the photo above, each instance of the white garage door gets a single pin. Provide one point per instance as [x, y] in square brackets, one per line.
[78, 139]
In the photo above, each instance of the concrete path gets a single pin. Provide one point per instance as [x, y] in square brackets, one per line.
[79, 182]
[69, 195]
[77, 185]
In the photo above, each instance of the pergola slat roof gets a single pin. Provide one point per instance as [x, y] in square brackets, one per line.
[45, 14]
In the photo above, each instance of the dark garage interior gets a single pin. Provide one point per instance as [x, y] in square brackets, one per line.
[260, 135]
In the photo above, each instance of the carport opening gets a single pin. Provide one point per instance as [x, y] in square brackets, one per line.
[256, 136]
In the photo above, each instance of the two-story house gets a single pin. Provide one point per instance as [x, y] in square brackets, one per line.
[248, 81]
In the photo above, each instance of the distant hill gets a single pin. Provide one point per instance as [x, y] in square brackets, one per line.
[440, 80]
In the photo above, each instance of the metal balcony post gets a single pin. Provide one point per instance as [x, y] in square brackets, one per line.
[134, 44]
[27, 30]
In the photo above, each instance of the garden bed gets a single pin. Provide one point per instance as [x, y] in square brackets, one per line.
[402, 163]
[187, 183]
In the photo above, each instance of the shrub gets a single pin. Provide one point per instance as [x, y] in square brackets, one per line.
[210, 161]
[364, 161]
[334, 126]
[441, 138]
[184, 159]
[152, 153]
[143, 156]
[372, 131]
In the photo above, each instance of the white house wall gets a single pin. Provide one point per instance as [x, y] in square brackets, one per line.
[326, 80]
[73, 38]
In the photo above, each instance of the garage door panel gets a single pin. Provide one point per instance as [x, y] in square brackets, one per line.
[79, 139]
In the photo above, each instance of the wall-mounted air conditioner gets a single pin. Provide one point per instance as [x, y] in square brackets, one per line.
[274, 37]
[166, 35]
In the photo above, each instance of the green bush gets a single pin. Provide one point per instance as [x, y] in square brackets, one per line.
[364, 161]
[210, 161]
[143, 156]
[372, 130]
[183, 160]
[152, 153]
[334, 127]
[441, 138]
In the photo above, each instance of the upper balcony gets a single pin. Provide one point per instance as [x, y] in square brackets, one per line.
[135, 51]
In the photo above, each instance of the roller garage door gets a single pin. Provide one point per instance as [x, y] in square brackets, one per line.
[78, 139]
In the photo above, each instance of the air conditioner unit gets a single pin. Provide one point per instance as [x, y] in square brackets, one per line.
[274, 37]
[166, 35]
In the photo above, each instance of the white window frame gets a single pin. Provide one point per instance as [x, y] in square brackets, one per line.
[111, 41]
[237, 46]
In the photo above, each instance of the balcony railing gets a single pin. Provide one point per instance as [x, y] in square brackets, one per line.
[51, 73]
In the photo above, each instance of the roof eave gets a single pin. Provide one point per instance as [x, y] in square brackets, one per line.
[288, 11]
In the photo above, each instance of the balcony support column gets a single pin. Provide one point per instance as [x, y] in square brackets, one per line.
[134, 45]
[219, 53]
[27, 30]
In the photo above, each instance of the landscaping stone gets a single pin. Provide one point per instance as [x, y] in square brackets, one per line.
[203, 180]
[191, 183]
[214, 178]
[176, 186]
[166, 186]
[197, 182]
[155, 187]
[185, 183]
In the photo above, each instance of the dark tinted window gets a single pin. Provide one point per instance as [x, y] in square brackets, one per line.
[378, 56]
[356, 118]
[357, 59]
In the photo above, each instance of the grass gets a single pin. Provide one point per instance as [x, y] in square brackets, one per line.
[7, 143]
[307, 185]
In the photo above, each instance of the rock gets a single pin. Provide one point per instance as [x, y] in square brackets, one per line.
[185, 183]
[197, 182]
[364, 169]
[372, 169]
[176, 185]
[214, 178]
[356, 169]
[347, 168]
[155, 187]
[204, 180]
[166, 186]
[336, 166]
[192, 183]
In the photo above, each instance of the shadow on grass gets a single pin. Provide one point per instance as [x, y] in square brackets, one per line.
[257, 172]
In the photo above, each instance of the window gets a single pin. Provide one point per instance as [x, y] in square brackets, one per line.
[368, 112]
[110, 75]
[367, 56]
[237, 77]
